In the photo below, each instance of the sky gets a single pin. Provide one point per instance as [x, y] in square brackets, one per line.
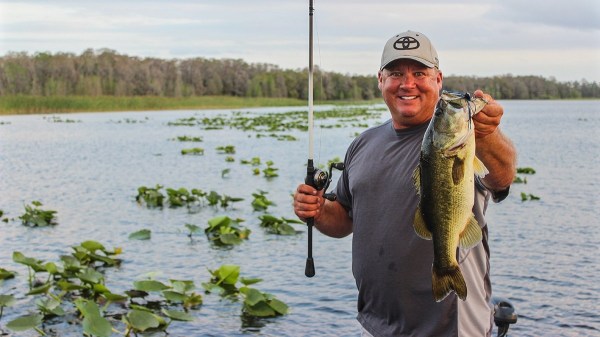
[549, 38]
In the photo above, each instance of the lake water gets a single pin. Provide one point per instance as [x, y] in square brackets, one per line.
[545, 253]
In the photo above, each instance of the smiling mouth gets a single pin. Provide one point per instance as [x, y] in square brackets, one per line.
[407, 98]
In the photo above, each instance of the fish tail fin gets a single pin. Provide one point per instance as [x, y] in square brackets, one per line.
[445, 281]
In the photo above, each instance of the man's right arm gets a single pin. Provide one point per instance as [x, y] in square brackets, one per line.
[331, 218]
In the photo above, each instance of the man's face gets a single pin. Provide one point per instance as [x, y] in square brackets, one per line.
[411, 91]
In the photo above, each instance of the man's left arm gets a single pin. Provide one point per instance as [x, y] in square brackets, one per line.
[493, 148]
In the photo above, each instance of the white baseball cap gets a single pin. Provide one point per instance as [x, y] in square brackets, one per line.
[410, 45]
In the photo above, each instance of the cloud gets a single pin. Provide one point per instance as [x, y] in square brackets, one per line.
[349, 34]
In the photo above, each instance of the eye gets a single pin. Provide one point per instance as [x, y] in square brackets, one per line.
[420, 74]
[395, 74]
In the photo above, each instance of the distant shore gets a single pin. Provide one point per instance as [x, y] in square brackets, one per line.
[22, 105]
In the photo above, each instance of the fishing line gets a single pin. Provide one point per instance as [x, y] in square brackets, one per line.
[316, 31]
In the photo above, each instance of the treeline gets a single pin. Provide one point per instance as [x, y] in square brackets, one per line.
[105, 72]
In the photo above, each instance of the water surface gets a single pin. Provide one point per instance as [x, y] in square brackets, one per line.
[544, 252]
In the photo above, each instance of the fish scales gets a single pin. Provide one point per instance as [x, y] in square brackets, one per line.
[445, 181]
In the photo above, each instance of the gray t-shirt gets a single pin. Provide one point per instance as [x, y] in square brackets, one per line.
[391, 264]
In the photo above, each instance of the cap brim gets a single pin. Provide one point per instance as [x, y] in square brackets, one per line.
[418, 59]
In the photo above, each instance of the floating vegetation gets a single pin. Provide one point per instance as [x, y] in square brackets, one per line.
[142, 234]
[79, 283]
[255, 161]
[223, 230]
[36, 217]
[525, 196]
[192, 229]
[519, 180]
[279, 226]
[280, 137]
[260, 202]
[189, 139]
[4, 219]
[229, 159]
[195, 151]
[57, 119]
[525, 170]
[270, 171]
[279, 121]
[6, 274]
[256, 303]
[153, 197]
[227, 149]
[131, 121]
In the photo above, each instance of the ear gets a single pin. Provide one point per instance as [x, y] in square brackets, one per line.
[439, 78]
[380, 80]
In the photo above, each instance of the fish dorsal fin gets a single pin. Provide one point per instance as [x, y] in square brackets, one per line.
[471, 236]
[420, 226]
[458, 170]
[479, 168]
[416, 176]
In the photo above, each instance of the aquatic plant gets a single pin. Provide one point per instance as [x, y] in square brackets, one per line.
[34, 216]
[270, 171]
[255, 303]
[151, 196]
[196, 151]
[142, 234]
[255, 161]
[260, 202]
[227, 149]
[3, 219]
[525, 196]
[519, 180]
[279, 226]
[189, 139]
[192, 229]
[80, 281]
[6, 301]
[223, 230]
[6, 274]
[525, 170]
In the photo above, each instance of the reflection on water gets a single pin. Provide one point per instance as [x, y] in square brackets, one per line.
[544, 253]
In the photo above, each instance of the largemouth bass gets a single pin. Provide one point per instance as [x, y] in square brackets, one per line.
[445, 181]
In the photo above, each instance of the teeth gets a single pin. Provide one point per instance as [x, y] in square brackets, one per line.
[408, 97]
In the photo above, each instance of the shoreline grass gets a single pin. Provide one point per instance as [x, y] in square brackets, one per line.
[25, 104]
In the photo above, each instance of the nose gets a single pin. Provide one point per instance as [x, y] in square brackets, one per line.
[407, 81]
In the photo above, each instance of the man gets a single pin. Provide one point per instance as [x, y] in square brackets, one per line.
[377, 201]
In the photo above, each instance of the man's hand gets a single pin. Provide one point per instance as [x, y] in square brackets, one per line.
[308, 202]
[488, 119]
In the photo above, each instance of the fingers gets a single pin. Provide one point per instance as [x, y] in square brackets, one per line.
[488, 119]
[307, 202]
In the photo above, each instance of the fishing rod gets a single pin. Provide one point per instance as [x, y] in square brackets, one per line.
[315, 177]
[309, 270]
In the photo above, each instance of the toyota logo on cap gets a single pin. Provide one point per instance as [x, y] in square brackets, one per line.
[406, 43]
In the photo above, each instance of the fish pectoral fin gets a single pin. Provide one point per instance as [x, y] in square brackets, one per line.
[479, 168]
[471, 236]
[416, 176]
[420, 227]
[458, 170]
